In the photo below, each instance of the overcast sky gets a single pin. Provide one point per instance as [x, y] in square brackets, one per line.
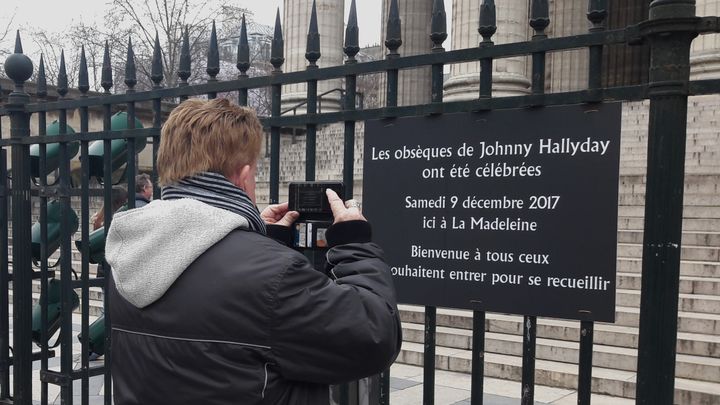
[54, 15]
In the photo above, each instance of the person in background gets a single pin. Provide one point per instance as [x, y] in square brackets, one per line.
[213, 308]
[143, 190]
[118, 198]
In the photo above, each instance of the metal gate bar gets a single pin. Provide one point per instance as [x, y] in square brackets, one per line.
[585, 363]
[350, 49]
[276, 59]
[22, 264]
[4, 281]
[670, 31]
[44, 277]
[478, 358]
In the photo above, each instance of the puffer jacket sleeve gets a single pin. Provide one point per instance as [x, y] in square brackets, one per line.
[339, 328]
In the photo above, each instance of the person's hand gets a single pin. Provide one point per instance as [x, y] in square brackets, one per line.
[343, 211]
[278, 214]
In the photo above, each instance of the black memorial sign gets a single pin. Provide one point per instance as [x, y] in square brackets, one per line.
[509, 211]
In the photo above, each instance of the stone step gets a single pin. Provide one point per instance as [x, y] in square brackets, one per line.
[638, 187]
[691, 322]
[705, 180]
[450, 387]
[696, 344]
[691, 159]
[639, 168]
[688, 199]
[687, 268]
[689, 211]
[696, 142]
[688, 224]
[693, 162]
[689, 238]
[688, 284]
[703, 147]
[690, 253]
[557, 374]
[693, 132]
[95, 293]
[95, 305]
[619, 358]
[706, 304]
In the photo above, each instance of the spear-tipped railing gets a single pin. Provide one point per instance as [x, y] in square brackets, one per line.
[668, 35]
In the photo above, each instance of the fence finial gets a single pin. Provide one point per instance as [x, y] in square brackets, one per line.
[130, 70]
[83, 81]
[539, 17]
[106, 80]
[393, 35]
[488, 21]
[276, 53]
[41, 90]
[18, 43]
[156, 75]
[243, 50]
[213, 56]
[352, 33]
[62, 81]
[184, 69]
[312, 49]
[18, 67]
[596, 14]
[438, 25]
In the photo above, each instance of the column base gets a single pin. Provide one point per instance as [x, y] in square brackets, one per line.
[297, 100]
[467, 87]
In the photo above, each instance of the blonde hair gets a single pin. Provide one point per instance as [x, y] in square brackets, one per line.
[207, 136]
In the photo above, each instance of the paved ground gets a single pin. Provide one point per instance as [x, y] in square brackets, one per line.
[405, 387]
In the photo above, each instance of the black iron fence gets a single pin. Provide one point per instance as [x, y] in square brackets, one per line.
[669, 31]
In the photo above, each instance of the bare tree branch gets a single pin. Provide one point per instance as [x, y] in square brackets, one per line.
[168, 18]
[5, 37]
[140, 20]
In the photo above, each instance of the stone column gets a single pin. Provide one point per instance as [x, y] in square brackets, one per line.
[567, 70]
[413, 84]
[510, 75]
[705, 51]
[296, 21]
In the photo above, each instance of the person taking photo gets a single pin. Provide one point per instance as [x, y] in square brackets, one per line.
[208, 307]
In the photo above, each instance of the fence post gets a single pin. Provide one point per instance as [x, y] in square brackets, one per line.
[4, 280]
[277, 59]
[19, 68]
[670, 30]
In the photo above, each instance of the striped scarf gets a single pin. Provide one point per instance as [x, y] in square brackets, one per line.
[214, 189]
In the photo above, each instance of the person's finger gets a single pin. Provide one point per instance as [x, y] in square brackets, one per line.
[289, 218]
[336, 203]
[279, 210]
[267, 214]
[273, 213]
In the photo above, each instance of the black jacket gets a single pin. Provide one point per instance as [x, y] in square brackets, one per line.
[251, 322]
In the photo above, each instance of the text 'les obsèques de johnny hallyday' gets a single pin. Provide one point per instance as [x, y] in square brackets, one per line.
[563, 146]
